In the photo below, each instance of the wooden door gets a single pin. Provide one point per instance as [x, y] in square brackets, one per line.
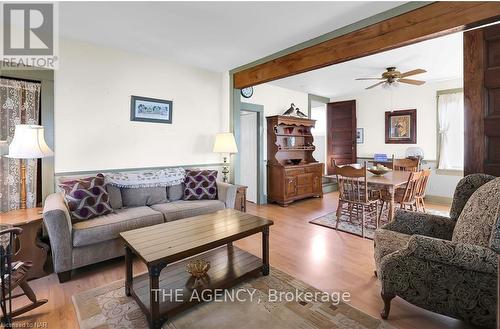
[341, 133]
[482, 100]
[290, 187]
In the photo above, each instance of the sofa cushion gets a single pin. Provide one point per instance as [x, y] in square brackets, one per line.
[109, 226]
[143, 196]
[476, 221]
[115, 196]
[200, 185]
[86, 197]
[175, 192]
[183, 209]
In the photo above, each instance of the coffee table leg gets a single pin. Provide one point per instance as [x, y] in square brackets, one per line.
[128, 270]
[265, 251]
[155, 295]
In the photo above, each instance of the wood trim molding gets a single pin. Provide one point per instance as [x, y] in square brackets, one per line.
[433, 20]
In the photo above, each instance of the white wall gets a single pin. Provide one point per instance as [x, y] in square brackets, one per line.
[318, 113]
[93, 130]
[370, 111]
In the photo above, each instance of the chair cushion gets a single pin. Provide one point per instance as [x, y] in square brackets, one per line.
[386, 242]
[143, 196]
[183, 209]
[108, 227]
[476, 221]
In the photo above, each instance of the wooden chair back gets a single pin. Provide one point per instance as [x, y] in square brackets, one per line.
[422, 185]
[405, 164]
[412, 186]
[353, 186]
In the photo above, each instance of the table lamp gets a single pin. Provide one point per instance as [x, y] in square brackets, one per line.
[28, 143]
[225, 143]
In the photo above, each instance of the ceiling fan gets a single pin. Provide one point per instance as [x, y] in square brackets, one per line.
[392, 75]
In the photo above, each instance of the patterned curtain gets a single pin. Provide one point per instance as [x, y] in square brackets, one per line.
[19, 104]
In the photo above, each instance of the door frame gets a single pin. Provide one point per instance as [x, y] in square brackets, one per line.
[261, 170]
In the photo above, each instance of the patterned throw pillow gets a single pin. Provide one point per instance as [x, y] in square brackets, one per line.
[200, 185]
[86, 197]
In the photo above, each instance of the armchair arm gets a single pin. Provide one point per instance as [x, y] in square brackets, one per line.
[58, 223]
[466, 256]
[227, 193]
[411, 223]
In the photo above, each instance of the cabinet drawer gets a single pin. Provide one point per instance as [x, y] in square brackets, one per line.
[314, 169]
[294, 171]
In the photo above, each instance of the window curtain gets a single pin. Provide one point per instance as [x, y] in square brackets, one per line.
[19, 104]
[451, 131]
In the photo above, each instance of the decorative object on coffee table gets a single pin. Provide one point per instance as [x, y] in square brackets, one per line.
[401, 127]
[150, 110]
[208, 236]
[198, 267]
[225, 144]
[28, 143]
[34, 250]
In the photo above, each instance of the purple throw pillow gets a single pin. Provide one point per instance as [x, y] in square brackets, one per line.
[200, 185]
[86, 197]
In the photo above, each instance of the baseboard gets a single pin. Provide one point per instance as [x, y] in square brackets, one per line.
[437, 199]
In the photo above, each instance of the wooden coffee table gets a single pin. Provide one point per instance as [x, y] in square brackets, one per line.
[208, 237]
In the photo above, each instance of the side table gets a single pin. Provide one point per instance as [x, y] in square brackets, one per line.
[32, 248]
[241, 198]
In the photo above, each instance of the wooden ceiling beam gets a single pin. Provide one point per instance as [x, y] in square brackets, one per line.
[433, 20]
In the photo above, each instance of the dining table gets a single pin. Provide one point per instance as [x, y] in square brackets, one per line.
[390, 181]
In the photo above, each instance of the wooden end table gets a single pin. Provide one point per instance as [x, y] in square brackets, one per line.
[208, 237]
[32, 248]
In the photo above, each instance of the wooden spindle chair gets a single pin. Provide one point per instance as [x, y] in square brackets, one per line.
[354, 193]
[404, 198]
[422, 185]
[12, 275]
[405, 164]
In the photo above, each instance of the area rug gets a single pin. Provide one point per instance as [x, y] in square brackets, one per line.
[330, 220]
[108, 307]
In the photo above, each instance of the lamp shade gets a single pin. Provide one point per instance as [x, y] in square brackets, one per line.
[225, 143]
[29, 143]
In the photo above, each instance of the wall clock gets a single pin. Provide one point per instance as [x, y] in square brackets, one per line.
[247, 92]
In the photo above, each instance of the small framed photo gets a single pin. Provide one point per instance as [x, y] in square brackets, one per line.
[150, 110]
[401, 127]
[360, 135]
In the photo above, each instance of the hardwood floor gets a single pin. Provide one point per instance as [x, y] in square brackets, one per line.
[324, 258]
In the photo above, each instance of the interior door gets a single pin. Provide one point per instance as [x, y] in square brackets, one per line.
[482, 100]
[248, 153]
[341, 133]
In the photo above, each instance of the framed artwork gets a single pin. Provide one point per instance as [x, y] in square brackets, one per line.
[360, 135]
[401, 127]
[150, 110]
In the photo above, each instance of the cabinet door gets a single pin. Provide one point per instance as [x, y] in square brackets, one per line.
[290, 187]
[317, 186]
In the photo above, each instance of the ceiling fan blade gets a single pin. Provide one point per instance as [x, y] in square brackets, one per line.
[412, 82]
[412, 72]
[369, 79]
[373, 86]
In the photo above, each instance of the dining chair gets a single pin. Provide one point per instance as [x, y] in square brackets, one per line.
[405, 198]
[355, 195]
[421, 186]
[405, 164]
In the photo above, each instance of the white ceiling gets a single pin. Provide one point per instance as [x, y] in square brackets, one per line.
[214, 35]
[441, 57]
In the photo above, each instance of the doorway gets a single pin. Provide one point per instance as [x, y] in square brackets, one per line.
[251, 151]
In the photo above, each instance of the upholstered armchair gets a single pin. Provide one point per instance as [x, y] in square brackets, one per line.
[447, 265]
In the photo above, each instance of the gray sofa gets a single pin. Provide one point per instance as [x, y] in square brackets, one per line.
[94, 240]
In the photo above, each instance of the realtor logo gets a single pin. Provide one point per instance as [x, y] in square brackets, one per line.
[29, 37]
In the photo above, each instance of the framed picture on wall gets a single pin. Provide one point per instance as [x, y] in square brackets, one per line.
[360, 135]
[150, 110]
[401, 127]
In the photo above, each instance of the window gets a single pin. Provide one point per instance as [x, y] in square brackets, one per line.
[451, 130]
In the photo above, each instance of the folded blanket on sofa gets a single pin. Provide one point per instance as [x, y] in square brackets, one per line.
[153, 178]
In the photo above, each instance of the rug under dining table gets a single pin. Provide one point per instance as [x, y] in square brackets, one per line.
[109, 307]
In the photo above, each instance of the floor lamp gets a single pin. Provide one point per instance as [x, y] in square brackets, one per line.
[28, 143]
[225, 144]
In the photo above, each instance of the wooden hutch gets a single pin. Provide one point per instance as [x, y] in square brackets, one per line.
[290, 138]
